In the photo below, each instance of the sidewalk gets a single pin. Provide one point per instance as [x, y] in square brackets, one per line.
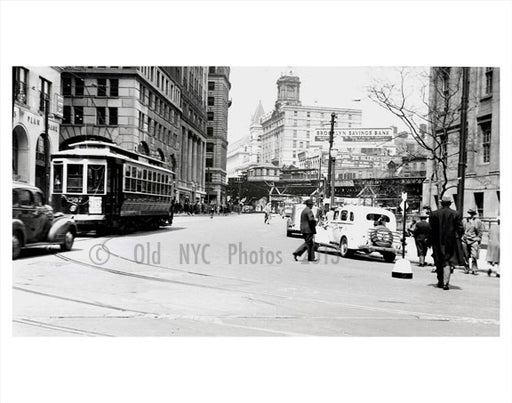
[412, 256]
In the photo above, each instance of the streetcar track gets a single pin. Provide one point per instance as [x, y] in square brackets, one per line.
[417, 315]
[96, 304]
[110, 253]
[141, 276]
[65, 329]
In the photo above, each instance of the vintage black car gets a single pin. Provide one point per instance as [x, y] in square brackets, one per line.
[34, 223]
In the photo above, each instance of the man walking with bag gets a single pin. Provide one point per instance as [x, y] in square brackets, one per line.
[447, 229]
[308, 229]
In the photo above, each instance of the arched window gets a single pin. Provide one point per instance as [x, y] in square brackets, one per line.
[15, 152]
[160, 154]
[143, 148]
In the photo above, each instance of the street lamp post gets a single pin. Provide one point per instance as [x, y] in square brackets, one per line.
[329, 166]
[332, 160]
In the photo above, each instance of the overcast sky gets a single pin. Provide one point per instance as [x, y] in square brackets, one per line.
[322, 86]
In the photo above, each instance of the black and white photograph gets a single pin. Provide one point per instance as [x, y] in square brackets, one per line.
[308, 220]
[259, 203]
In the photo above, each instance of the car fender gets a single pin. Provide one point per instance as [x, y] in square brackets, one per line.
[17, 225]
[60, 227]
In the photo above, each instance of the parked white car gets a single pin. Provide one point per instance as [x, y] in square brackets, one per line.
[352, 229]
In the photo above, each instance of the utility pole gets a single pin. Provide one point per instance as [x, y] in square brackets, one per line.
[330, 184]
[461, 172]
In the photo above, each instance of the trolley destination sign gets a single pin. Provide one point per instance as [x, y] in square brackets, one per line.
[350, 136]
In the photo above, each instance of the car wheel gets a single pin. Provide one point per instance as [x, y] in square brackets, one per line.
[344, 250]
[16, 246]
[69, 238]
[389, 257]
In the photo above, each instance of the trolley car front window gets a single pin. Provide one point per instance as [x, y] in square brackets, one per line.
[95, 178]
[75, 178]
[57, 178]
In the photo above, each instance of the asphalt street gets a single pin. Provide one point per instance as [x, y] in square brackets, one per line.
[235, 276]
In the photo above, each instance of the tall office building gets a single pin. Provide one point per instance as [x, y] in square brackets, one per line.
[291, 128]
[217, 131]
[246, 151]
[482, 179]
[158, 111]
[37, 109]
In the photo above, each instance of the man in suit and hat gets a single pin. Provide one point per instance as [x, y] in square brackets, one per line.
[308, 229]
[421, 235]
[473, 229]
[447, 229]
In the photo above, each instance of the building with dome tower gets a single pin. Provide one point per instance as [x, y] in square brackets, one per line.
[291, 127]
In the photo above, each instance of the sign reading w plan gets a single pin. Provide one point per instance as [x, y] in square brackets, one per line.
[353, 137]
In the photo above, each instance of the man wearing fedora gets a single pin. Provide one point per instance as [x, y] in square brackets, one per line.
[308, 229]
[473, 229]
[447, 229]
[421, 233]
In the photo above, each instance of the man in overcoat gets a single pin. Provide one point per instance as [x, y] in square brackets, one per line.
[308, 229]
[447, 230]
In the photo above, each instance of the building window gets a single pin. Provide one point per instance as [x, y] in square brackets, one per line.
[45, 93]
[66, 85]
[308, 114]
[114, 87]
[66, 117]
[211, 85]
[102, 87]
[21, 78]
[79, 115]
[294, 143]
[486, 141]
[445, 79]
[150, 126]
[210, 116]
[101, 118]
[209, 162]
[295, 134]
[211, 101]
[112, 116]
[209, 147]
[141, 121]
[211, 70]
[488, 80]
[479, 203]
[209, 131]
[79, 87]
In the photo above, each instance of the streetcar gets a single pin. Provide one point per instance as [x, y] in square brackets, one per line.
[106, 187]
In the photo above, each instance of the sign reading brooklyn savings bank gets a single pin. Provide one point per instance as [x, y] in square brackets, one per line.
[356, 137]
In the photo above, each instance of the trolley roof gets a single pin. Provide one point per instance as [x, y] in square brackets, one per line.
[91, 148]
